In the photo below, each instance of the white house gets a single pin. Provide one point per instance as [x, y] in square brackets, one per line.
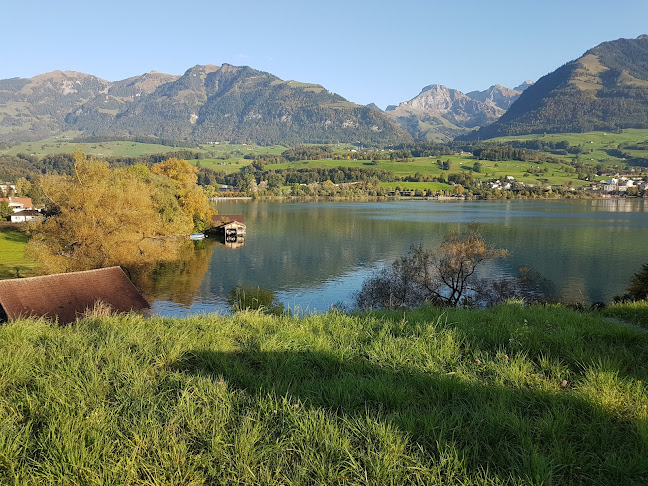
[7, 187]
[26, 216]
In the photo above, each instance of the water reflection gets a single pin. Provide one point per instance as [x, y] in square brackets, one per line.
[178, 281]
[313, 255]
[231, 241]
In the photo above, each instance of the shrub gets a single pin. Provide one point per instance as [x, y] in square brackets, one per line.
[245, 297]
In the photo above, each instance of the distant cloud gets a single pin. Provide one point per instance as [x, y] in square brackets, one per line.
[242, 56]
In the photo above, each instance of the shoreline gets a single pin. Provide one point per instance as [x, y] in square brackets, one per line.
[412, 198]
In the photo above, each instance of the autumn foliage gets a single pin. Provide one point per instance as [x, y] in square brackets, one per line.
[117, 216]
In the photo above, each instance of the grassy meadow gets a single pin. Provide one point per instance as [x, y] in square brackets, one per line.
[632, 312]
[428, 166]
[597, 142]
[64, 145]
[13, 262]
[511, 395]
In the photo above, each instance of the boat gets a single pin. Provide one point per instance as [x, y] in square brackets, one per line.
[197, 236]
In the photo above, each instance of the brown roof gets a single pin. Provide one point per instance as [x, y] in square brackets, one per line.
[226, 218]
[25, 201]
[67, 295]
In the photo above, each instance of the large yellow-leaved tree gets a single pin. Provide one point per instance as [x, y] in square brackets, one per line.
[116, 216]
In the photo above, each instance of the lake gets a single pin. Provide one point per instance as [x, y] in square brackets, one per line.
[315, 254]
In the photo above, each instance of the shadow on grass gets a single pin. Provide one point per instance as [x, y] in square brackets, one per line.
[514, 434]
[13, 235]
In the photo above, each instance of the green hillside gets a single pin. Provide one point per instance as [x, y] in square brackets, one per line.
[568, 160]
[13, 262]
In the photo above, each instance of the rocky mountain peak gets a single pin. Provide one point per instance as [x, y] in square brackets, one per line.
[440, 113]
[524, 85]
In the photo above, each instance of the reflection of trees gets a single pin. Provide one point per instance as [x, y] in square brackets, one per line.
[306, 244]
[179, 280]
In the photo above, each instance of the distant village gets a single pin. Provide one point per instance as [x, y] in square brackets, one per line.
[617, 185]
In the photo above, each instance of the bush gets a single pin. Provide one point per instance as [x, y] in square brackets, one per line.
[638, 289]
[245, 297]
[444, 277]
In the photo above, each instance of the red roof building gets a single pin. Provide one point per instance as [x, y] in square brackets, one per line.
[18, 203]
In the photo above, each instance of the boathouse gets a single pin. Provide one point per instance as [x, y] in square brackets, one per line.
[232, 228]
[65, 296]
[232, 225]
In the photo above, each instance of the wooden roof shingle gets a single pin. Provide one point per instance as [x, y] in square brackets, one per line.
[65, 296]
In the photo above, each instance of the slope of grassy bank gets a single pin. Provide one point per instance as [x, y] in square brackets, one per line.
[633, 312]
[510, 395]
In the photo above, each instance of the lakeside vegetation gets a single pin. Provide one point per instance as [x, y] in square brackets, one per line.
[128, 216]
[510, 395]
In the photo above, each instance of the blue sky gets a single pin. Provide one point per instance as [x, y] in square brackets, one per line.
[366, 51]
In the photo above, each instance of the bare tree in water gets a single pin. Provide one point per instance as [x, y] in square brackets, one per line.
[444, 276]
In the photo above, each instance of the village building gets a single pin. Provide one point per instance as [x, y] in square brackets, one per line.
[618, 184]
[18, 203]
[26, 216]
[7, 188]
[233, 228]
[63, 297]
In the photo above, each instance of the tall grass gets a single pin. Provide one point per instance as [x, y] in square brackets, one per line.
[511, 395]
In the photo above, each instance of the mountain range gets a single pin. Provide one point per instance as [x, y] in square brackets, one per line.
[207, 103]
[441, 113]
[605, 89]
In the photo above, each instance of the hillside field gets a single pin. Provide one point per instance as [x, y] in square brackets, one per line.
[597, 142]
[599, 148]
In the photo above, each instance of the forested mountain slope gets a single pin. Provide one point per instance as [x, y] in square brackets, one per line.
[207, 103]
[605, 89]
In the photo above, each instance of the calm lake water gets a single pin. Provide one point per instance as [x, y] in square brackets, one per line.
[315, 254]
